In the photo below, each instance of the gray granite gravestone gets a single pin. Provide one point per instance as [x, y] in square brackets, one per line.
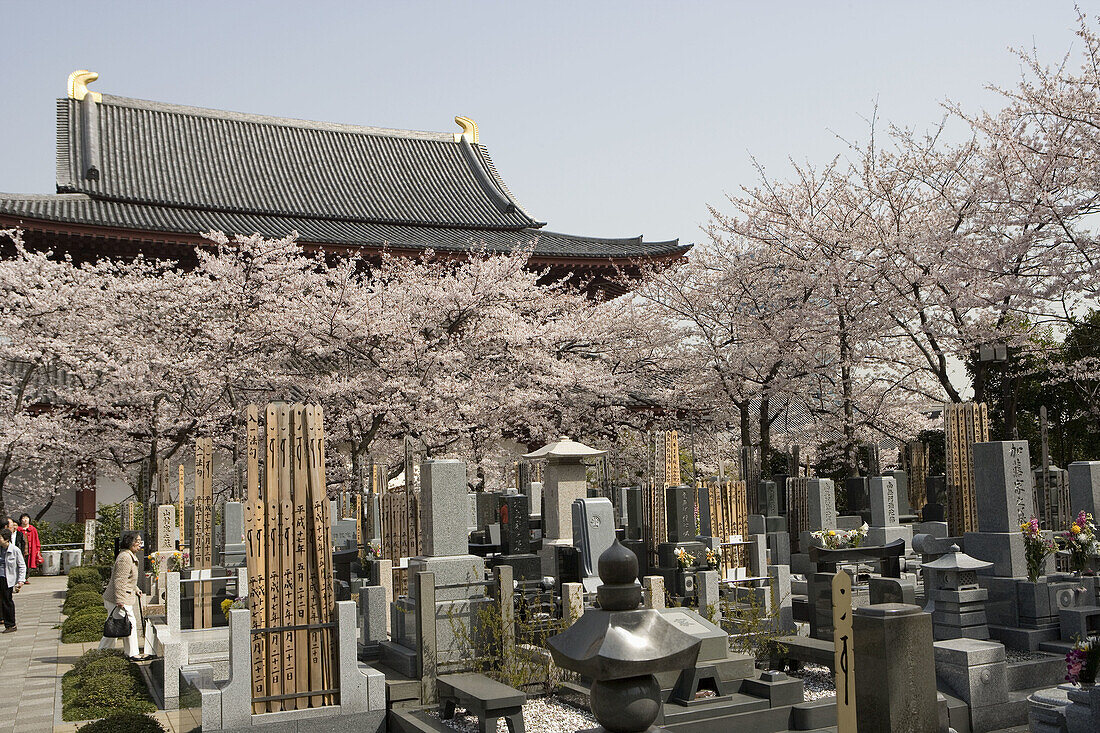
[442, 502]
[535, 495]
[471, 513]
[903, 493]
[458, 590]
[1002, 485]
[1084, 487]
[895, 669]
[593, 533]
[233, 534]
[885, 516]
[1003, 492]
[821, 501]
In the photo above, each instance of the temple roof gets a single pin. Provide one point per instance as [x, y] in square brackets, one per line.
[151, 167]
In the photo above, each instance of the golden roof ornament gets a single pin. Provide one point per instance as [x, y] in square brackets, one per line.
[78, 85]
[469, 130]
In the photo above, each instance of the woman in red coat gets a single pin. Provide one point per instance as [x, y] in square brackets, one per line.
[34, 547]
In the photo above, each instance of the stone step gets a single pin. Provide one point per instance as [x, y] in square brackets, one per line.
[768, 720]
[723, 706]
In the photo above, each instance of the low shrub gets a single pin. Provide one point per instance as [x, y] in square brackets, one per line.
[99, 696]
[84, 625]
[79, 598]
[108, 665]
[124, 723]
[102, 684]
[85, 577]
[94, 655]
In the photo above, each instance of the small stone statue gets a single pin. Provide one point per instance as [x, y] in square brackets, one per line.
[621, 646]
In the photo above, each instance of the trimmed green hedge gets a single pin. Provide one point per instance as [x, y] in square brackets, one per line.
[86, 576]
[84, 625]
[103, 684]
[94, 655]
[79, 598]
[124, 723]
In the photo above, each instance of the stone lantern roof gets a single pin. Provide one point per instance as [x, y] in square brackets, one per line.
[564, 449]
[956, 561]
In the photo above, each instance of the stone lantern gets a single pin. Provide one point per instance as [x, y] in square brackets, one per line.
[957, 601]
[564, 480]
[621, 646]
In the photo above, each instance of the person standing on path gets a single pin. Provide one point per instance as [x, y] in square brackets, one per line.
[12, 576]
[16, 536]
[122, 596]
[32, 547]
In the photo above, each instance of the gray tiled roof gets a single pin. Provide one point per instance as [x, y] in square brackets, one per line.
[187, 170]
[190, 157]
[81, 209]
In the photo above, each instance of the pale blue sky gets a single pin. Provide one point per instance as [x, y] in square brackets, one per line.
[605, 118]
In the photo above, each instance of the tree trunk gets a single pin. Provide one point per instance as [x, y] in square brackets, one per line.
[746, 424]
[765, 430]
[42, 512]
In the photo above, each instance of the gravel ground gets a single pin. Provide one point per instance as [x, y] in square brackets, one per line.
[1018, 655]
[817, 682]
[540, 715]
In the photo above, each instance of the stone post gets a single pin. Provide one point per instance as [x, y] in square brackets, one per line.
[894, 669]
[425, 634]
[572, 602]
[505, 587]
[653, 591]
[710, 600]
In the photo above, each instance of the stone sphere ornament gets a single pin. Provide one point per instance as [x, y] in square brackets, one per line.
[620, 646]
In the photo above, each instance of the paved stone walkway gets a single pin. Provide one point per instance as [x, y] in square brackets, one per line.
[33, 659]
[28, 658]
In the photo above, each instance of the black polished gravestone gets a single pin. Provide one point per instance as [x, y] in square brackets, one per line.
[680, 513]
[486, 508]
[857, 491]
[515, 539]
[935, 489]
[515, 524]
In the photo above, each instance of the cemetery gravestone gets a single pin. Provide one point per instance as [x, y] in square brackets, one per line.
[233, 549]
[1002, 485]
[443, 500]
[680, 513]
[856, 491]
[885, 517]
[593, 533]
[769, 498]
[1084, 487]
[515, 525]
[822, 504]
[895, 672]
[1003, 492]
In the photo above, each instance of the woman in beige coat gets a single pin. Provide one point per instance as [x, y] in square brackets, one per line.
[122, 594]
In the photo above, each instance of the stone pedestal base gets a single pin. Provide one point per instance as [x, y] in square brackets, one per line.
[879, 536]
[1004, 549]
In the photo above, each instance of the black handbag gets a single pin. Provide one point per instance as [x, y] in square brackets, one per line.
[117, 627]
